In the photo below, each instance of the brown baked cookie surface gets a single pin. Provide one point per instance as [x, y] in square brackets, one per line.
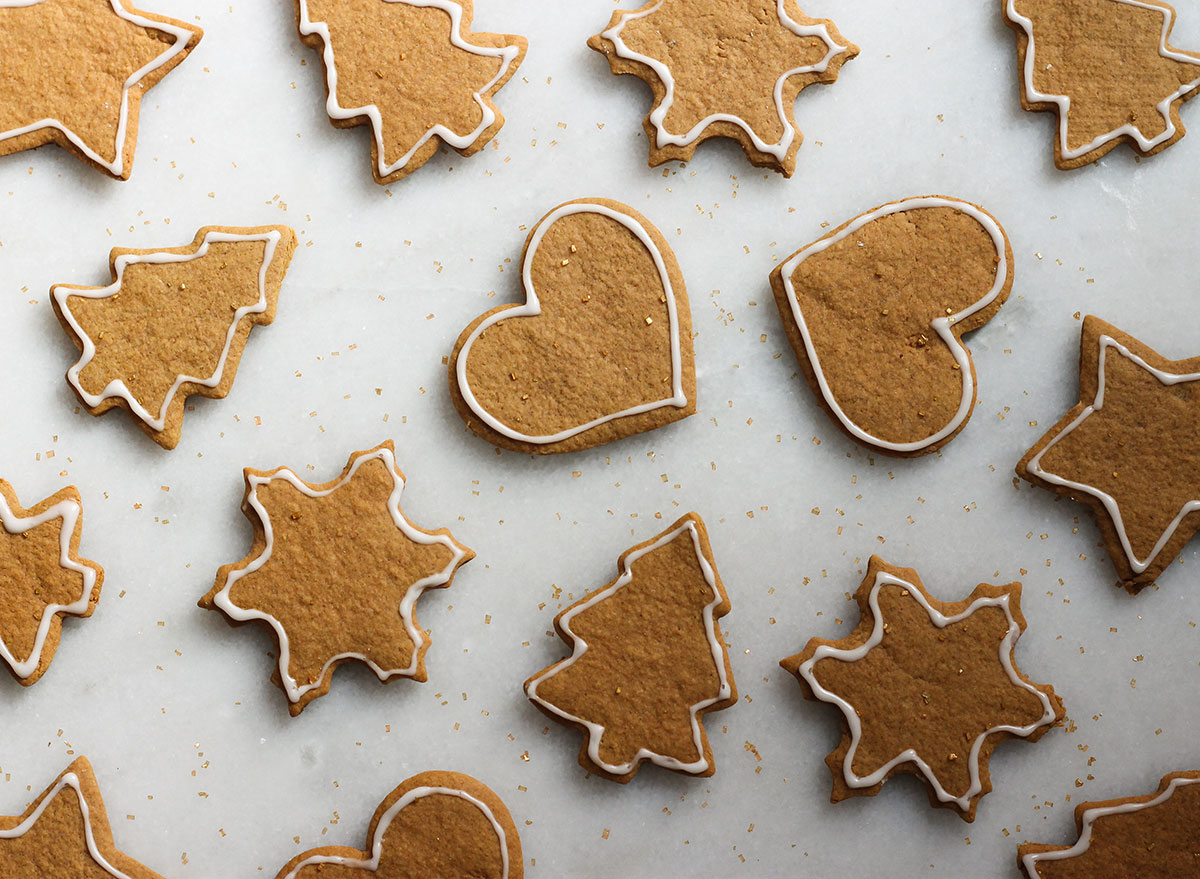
[435, 824]
[602, 347]
[336, 571]
[1130, 449]
[1106, 67]
[64, 834]
[42, 578]
[724, 68]
[414, 71]
[648, 660]
[876, 310]
[173, 323]
[74, 73]
[1126, 838]
[925, 687]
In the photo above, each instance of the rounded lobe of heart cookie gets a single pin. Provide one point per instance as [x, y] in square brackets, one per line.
[434, 824]
[600, 350]
[876, 309]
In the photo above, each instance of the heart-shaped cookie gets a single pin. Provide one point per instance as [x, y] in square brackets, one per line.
[434, 824]
[602, 347]
[876, 310]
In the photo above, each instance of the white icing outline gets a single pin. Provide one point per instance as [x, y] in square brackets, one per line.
[117, 167]
[69, 510]
[1110, 503]
[940, 325]
[68, 779]
[595, 730]
[223, 600]
[909, 755]
[1089, 817]
[333, 107]
[658, 115]
[533, 307]
[385, 821]
[117, 387]
[1063, 102]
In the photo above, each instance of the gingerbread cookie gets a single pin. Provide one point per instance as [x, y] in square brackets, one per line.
[74, 73]
[724, 68]
[925, 687]
[65, 833]
[1152, 835]
[435, 824]
[647, 660]
[336, 571]
[1129, 450]
[172, 323]
[1107, 69]
[42, 578]
[602, 347]
[414, 71]
[876, 310]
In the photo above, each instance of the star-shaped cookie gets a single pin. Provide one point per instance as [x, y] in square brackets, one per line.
[172, 323]
[65, 834]
[1107, 68]
[925, 687]
[1150, 836]
[1129, 449]
[74, 73]
[414, 71]
[42, 578]
[336, 571]
[724, 68]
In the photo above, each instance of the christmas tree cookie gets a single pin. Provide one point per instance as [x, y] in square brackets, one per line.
[1107, 68]
[414, 71]
[1146, 836]
[647, 660]
[172, 323]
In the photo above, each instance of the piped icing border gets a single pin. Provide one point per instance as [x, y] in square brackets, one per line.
[69, 510]
[1063, 102]
[67, 779]
[595, 730]
[943, 326]
[1030, 861]
[910, 755]
[385, 821]
[1110, 503]
[117, 387]
[223, 600]
[533, 307]
[333, 106]
[658, 115]
[182, 35]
